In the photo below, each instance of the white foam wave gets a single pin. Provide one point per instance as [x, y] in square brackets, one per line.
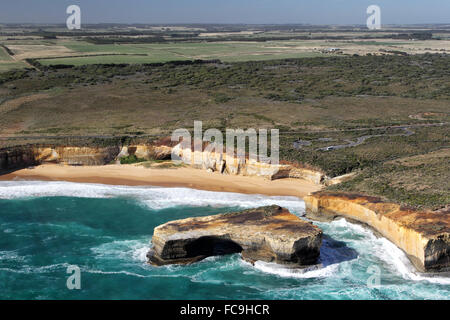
[116, 272]
[310, 272]
[385, 250]
[153, 197]
[367, 243]
[11, 255]
[26, 269]
[398, 259]
[123, 249]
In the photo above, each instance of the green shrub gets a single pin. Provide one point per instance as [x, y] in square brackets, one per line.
[131, 159]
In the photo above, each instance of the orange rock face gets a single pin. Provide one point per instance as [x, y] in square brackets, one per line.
[423, 235]
[269, 234]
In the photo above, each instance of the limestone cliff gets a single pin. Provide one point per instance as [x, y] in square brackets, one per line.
[24, 156]
[423, 235]
[223, 163]
[269, 234]
[21, 157]
[76, 156]
[147, 152]
[14, 158]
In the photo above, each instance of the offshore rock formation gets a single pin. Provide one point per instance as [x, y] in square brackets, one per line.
[423, 235]
[269, 234]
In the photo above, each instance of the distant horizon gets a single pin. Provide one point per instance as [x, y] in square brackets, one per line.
[221, 24]
[249, 12]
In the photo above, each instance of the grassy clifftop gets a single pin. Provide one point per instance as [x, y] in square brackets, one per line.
[338, 114]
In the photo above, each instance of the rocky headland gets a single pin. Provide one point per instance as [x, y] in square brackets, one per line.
[423, 235]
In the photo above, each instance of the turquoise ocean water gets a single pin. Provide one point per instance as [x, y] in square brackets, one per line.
[106, 231]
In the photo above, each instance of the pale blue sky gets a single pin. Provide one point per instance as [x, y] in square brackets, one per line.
[226, 11]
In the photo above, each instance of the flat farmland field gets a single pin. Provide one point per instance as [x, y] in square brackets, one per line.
[11, 65]
[151, 53]
[228, 51]
[112, 59]
[4, 56]
[8, 63]
[106, 47]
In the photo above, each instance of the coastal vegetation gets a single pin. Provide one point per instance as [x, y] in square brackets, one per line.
[112, 89]
[131, 159]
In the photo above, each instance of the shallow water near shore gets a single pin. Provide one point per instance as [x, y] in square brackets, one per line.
[106, 231]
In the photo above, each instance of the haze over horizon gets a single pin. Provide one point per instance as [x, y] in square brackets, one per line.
[327, 12]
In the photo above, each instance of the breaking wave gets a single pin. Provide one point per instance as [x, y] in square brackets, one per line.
[153, 197]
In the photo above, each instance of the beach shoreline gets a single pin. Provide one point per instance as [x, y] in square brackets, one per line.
[135, 175]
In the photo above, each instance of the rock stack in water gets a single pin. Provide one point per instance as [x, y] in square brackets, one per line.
[270, 234]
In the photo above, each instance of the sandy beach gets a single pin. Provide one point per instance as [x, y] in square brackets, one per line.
[181, 177]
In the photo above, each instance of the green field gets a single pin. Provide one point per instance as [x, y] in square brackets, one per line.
[8, 66]
[112, 59]
[162, 57]
[7, 63]
[4, 56]
[117, 49]
[151, 53]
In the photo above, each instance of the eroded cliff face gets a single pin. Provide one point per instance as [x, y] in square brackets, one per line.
[423, 235]
[223, 163]
[77, 156]
[147, 152]
[269, 234]
[14, 158]
[22, 157]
